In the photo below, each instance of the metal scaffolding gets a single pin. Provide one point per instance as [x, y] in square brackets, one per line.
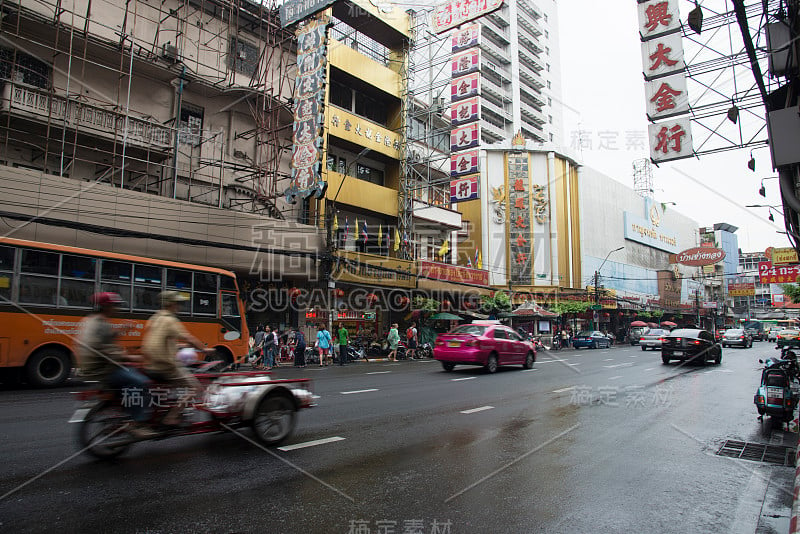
[60, 113]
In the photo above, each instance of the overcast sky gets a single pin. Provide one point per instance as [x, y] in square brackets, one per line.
[603, 83]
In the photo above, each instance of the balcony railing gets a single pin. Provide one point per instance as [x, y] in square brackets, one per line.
[40, 104]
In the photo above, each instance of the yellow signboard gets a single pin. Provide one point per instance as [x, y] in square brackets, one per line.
[784, 256]
[371, 269]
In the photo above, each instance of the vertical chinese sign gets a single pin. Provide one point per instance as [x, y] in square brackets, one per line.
[465, 114]
[518, 222]
[665, 80]
[309, 100]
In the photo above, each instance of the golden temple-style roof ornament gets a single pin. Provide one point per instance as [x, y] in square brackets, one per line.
[518, 141]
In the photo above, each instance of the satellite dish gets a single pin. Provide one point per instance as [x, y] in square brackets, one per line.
[231, 335]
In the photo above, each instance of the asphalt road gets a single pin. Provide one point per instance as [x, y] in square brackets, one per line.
[587, 441]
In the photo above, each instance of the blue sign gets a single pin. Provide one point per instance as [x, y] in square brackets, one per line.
[649, 232]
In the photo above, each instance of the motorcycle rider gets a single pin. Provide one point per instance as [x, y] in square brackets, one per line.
[161, 337]
[102, 358]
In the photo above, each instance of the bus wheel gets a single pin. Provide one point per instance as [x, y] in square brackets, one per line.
[223, 354]
[48, 368]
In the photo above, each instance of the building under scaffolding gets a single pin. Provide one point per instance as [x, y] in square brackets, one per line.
[186, 99]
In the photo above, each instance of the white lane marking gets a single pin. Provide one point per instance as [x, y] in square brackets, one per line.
[378, 372]
[310, 443]
[725, 371]
[609, 360]
[357, 391]
[315, 397]
[458, 379]
[615, 377]
[390, 364]
[603, 352]
[633, 356]
[529, 370]
[629, 364]
[573, 364]
[475, 410]
[649, 368]
[562, 390]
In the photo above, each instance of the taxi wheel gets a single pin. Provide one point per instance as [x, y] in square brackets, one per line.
[529, 359]
[491, 364]
[448, 366]
[644, 348]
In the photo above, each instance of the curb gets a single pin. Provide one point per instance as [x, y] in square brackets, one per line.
[793, 524]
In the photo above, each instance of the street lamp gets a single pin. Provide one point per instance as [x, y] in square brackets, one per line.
[597, 282]
[771, 208]
[763, 190]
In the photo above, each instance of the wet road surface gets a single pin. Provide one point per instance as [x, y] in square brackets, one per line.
[587, 441]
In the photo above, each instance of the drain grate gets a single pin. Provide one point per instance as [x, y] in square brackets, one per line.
[758, 452]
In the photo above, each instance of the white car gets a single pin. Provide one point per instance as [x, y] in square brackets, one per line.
[651, 339]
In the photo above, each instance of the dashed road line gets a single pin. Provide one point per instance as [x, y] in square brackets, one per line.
[378, 372]
[609, 360]
[562, 390]
[476, 410]
[314, 443]
[357, 391]
[529, 370]
[615, 377]
[649, 368]
[459, 379]
[629, 364]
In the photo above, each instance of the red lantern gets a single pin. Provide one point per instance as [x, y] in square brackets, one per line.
[338, 293]
[404, 301]
[445, 304]
[294, 292]
[372, 298]
[470, 304]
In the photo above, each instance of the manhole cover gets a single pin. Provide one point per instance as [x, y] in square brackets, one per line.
[758, 452]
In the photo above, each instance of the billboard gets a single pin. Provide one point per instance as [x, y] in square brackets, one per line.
[770, 274]
[698, 256]
[454, 13]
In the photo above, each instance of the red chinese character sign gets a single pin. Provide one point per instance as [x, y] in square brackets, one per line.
[465, 87]
[667, 97]
[464, 188]
[465, 62]
[664, 71]
[465, 137]
[309, 96]
[663, 56]
[670, 140]
[657, 18]
[462, 163]
[454, 13]
[518, 221]
[464, 38]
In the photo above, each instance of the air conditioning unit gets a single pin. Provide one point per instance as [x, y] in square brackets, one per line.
[169, 52]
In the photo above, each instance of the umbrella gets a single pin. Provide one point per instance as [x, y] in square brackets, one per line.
[652, 325]
[445, 317]
[668, 323]
[638, 323]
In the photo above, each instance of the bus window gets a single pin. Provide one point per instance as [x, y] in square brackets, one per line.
[6, 259]
[78, 267]
[230, 310]
[206, 282]
[179, 279]
[227, 283]
[76, 293]
[146, 297]
[6, 272]
[147, 274]
[36, 261]
[204, 303]
[38, 290]
[117, 271]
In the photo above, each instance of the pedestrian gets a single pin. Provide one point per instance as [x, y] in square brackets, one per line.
[564, 338]
[299, 348]
[324, 341]
[394, 339]
[412, 340]
[102, 358]
[270, 347]
[258, 346]
[344, 337]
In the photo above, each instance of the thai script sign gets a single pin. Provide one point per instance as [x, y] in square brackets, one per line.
[292, 11]
[741, 289]
[784, 256]
[769, 274]
[453, 273]
[698, 256]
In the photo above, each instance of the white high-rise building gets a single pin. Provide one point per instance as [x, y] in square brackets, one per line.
[520, 71]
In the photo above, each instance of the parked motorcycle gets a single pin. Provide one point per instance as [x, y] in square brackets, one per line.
[424, 351]
[774, 395]
[227, 400]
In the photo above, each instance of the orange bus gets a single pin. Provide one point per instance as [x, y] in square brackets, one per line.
[45, 291]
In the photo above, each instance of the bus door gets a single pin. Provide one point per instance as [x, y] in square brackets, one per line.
[231, 317]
